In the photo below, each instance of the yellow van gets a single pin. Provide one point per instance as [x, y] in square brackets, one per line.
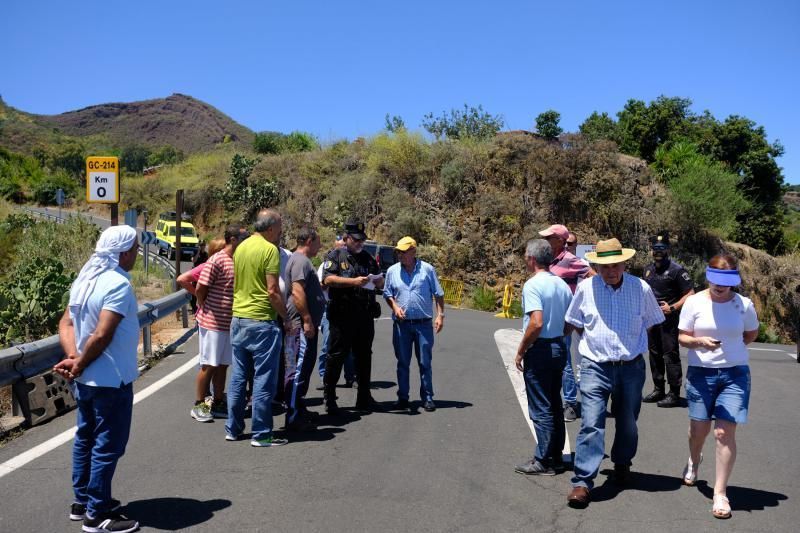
[165, 235]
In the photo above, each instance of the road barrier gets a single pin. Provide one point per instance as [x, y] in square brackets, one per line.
[508, 296]
[38, 394]
[453, 291]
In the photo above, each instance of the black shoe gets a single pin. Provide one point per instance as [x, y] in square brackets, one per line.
[534, 468]
[77, 511]
[109, 523]
[622, 474]
[348, 384]
[429, 406]
[570, 413]
[301, 426]
[656, 396]
[308, 415]
[401, 405]
[332, 409]
[670, 400]
[367, 404]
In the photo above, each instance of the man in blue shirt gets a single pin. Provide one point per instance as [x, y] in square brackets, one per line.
[99, 334]
[411, 286]
[612, 312]
[542, 355]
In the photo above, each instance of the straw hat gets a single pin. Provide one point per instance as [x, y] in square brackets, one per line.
[609, 252]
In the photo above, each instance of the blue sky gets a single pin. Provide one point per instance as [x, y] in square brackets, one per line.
[335, 68]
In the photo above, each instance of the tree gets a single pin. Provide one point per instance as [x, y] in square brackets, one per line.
[72, 158]
[547, 124]
[394, 123]
[268, 142]
[642, 128]
[299, 141]
[599, 126]
[472, 122]
[166, 155]
[134, 158]
[706, 191]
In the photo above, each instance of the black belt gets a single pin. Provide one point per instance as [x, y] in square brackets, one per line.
[622, 363]
[416, 320]
[550, 339]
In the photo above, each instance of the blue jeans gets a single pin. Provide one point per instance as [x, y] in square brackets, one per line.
[104, 424]
[598, 382]
[257, 352]
[544, 364]
[349, 361]
[569, 387]
[300, 356]
[418, 336]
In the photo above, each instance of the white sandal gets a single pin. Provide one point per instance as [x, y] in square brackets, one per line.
[722, 507]
[690, 472]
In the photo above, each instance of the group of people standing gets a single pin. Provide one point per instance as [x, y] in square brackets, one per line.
[259, 308]
[618, 317]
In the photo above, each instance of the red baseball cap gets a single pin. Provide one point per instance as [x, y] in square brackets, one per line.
[558, 230]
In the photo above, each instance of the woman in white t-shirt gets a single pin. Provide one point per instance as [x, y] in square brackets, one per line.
[716, 325]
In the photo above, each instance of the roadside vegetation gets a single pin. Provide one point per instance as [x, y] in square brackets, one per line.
[472, 194]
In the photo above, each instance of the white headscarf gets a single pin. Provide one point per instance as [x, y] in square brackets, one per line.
[112, 242]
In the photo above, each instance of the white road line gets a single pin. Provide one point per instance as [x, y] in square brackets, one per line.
[37, 451]
[507, 341]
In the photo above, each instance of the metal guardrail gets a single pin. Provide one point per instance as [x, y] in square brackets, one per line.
[26, 361]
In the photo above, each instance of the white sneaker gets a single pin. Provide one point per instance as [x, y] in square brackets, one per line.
[201, 412]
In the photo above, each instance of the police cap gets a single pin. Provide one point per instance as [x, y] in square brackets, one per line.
[355, 228]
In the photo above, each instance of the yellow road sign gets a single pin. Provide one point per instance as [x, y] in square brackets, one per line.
[102, 180]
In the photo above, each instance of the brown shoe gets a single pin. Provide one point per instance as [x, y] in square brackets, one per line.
[579, 498]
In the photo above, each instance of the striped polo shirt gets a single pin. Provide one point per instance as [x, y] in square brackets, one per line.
[217, 309]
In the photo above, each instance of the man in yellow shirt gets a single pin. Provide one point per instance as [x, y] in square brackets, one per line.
[256, 330]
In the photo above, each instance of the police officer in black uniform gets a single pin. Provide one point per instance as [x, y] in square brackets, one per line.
[351, 311]
[671, 286]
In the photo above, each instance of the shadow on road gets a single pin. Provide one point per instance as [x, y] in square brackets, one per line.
[745, 499]
[172, 514]
[639, 481]
[375, 385]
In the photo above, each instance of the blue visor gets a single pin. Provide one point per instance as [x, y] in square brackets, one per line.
[724, 278]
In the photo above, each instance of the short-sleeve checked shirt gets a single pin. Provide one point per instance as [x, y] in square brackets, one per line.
[614, 321]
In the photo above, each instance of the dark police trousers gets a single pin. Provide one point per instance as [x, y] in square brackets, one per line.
[351, 328]
[663, 343]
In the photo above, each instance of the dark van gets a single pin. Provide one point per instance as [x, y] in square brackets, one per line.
[383, 254]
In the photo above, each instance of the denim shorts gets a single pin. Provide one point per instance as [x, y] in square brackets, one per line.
[718, 393]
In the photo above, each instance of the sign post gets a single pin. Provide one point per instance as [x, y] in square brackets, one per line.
[59, 201]
[102, 183]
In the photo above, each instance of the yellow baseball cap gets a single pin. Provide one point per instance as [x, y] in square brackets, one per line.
[405, 243]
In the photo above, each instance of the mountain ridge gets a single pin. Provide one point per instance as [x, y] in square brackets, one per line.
[178, 120]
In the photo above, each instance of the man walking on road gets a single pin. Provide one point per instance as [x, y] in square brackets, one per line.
[215, 302]
[541, 356]
[305, 306]
[99, 334]
[671, 286]
[256, 330]
[571, 269]
[612, 312]
[411, 286]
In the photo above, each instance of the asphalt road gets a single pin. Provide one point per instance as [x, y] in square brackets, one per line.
[451, 470]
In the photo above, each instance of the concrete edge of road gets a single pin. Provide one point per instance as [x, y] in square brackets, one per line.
[507, 341]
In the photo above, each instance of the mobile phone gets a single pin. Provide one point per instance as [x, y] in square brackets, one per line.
[717, 342]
